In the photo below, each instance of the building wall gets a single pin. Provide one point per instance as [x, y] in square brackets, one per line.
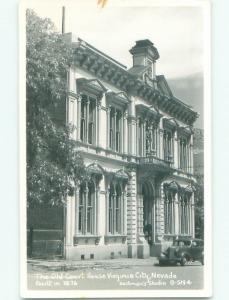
[144, 179]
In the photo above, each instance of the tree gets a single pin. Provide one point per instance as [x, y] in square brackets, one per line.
[199, 206]
[198, 145]
[53, 163]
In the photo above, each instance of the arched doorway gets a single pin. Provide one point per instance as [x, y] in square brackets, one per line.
[148, 212]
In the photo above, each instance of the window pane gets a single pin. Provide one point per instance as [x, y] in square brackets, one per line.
[117, 141]
[80, 225]
[82, 130]
[90, 133]
[117, 225]
[89, 220]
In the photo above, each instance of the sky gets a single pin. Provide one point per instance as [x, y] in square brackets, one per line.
[177, 32]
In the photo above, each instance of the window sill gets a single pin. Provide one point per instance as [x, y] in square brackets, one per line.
[115, 238]
[86, 239]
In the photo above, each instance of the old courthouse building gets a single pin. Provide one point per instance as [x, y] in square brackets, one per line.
[136, 139]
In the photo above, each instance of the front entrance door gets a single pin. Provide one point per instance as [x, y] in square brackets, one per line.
[148, 213]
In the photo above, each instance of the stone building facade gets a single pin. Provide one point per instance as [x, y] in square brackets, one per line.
[136, 139]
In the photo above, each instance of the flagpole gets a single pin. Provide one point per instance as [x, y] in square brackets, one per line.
[63, 20]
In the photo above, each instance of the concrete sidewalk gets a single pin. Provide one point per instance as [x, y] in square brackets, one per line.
[66, 265]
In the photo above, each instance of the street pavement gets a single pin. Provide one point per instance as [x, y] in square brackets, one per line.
[112, 274]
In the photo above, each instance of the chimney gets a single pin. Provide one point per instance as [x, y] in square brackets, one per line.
[145, 54]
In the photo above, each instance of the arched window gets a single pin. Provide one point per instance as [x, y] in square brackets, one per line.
[185, 213]
[118, 209]
[115, 209]
[86, 211]
[169, 210]
[111, 209]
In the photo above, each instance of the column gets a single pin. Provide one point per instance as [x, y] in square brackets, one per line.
[144, 138]
[75, 118]
[173, 215]
[114, 136]
[176, 214]
[87, 120]
[78, 116]
[85, 210]
[114, 209]
[107, 209]
[186, 157]
[190, 218]
[132, 215]
[108, 126]
[70, 224]
[160, 138]
[186, 216]
[180, 214]
[191, 154]
[181, 155]
[98, 137]
[166, 216]
[154, 221]
[125, 133]
[140, 212]
[121, 212]
[96, 212]
[133, 137]
[124, 212]
[178, 152]
[193, 215]
[138, 136]
[129, 135]
[95, 139]
[77, 195]
[160, 211]
[175, 156]
[189, 158]
[121, 132]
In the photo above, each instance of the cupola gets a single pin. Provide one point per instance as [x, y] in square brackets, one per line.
[145, 55]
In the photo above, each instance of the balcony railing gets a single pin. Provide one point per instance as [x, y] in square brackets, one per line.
[153, 160]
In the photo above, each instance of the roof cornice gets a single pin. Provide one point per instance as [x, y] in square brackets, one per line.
[108, 70]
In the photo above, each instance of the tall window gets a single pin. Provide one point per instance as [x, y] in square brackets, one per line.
[114, 207]
[168, 145]
[86, 213]
[115, 129]
[83, 120]
[169, 213]
[88, 119]
[183, 154]
[91, 123]
[185, 214]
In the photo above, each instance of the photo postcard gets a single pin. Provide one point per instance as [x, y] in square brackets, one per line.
[115, 149]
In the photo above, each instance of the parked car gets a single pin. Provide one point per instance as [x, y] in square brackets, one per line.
[182, 251]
